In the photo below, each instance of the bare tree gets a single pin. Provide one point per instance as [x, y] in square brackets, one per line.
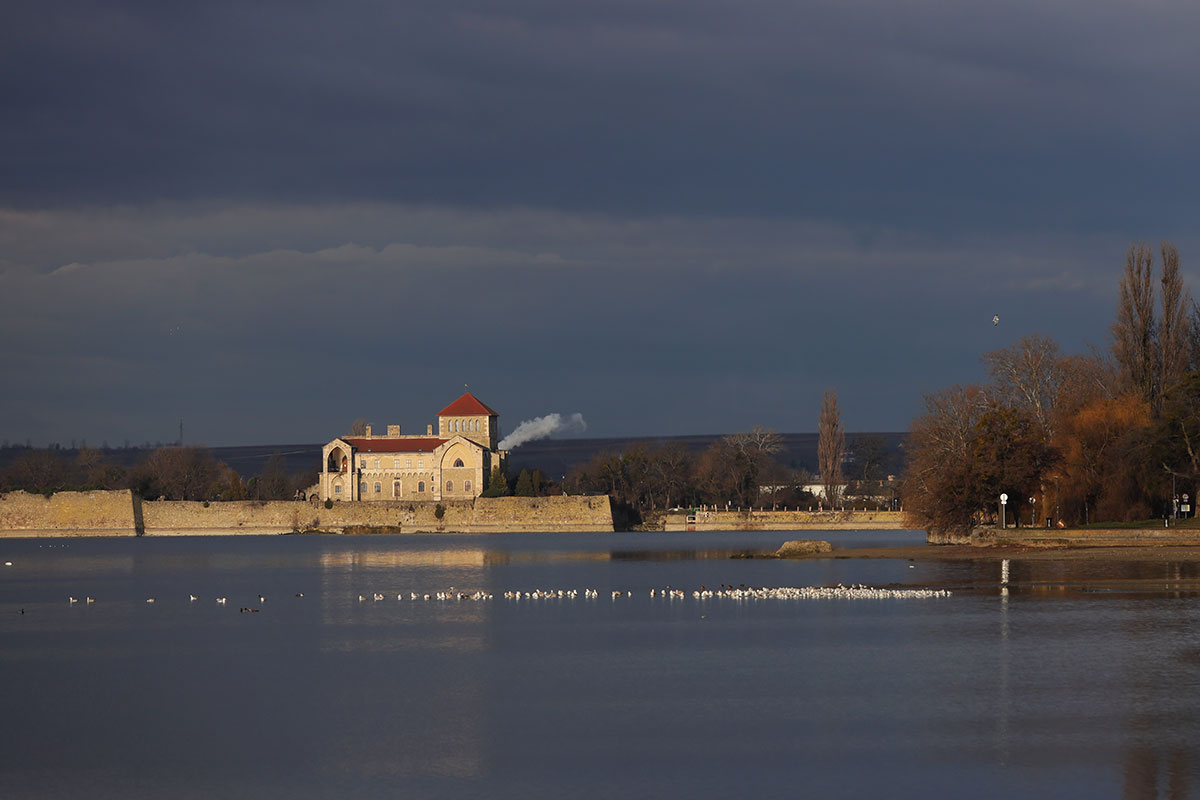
[1174, 328]
[1030, 375]
[831, 444]
[756, 442]
[1134, 331]
[939, 475]
[358, 427]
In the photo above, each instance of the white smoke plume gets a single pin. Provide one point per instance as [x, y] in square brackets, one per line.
[542, 427]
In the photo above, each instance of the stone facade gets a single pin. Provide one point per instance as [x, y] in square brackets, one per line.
[454, 463]
[121, 513]
[100, 513]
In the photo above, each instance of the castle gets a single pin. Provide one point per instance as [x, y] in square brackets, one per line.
[453, 464]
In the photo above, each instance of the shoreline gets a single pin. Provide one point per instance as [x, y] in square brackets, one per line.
[1159, 553]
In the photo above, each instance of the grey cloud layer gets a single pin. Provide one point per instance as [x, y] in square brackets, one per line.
[909, 113]
[737, 320]
[731, 206]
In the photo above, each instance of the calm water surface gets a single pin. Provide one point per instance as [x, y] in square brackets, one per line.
[1080, 681]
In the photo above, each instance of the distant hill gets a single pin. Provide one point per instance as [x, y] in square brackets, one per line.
[554, 457]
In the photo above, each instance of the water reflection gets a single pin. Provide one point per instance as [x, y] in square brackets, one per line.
[1036, 678]
[1068, 579]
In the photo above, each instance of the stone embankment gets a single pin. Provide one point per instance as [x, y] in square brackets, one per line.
[766, 520]
[1090, 537]
[121, 513]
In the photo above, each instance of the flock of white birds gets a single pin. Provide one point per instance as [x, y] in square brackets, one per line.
[853, 592]
[839, 592]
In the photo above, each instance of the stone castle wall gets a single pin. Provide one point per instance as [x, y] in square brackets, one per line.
[121, 514]
[784, 520]
[68, 514]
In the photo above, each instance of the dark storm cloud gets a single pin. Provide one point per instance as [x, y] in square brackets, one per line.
[645, 324]
[898, 112]
[671, 216]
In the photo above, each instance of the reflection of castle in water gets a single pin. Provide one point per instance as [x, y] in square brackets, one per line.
[412, 640]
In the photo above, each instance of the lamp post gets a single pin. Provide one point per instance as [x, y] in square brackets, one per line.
[1032, 513]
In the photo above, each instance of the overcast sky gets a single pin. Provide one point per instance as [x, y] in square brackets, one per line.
[694, 216]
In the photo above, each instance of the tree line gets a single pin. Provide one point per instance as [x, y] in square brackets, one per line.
[171, 473]
[740, 470]
[1071, 439]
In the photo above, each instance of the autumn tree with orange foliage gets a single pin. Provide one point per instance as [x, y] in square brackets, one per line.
[1092, 482]
[1096, 437]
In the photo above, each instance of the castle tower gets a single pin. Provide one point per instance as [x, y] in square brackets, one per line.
[471, 419]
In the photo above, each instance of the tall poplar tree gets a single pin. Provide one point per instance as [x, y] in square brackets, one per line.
[1174, 327]
[831, 444]
[1135, 337]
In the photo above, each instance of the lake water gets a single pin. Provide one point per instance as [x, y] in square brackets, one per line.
[1080, 681]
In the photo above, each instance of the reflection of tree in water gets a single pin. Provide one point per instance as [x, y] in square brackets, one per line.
[1146, 768]
[1073, 578]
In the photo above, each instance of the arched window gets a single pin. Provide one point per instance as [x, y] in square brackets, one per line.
[396, 489]
[420, 486]
[454, 425]
[378, 487]
[458, 462]
[466, 486]
[362, 488]
[449, 486]
[476, 426]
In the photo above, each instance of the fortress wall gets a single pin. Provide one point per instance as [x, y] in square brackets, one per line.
[786, 520]
[559, 513]
[185, 517]
[119, 513]
[483, 515]
[99, 513]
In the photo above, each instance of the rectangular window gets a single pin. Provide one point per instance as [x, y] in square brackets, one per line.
[337, 489]
[395, 463]
[408, 463]
[420, 463]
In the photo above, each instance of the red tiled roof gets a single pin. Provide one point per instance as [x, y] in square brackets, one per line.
[466, 405]
[414, 445]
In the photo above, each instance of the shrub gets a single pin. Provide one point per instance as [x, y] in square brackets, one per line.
[328, 503]
[439, 511]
